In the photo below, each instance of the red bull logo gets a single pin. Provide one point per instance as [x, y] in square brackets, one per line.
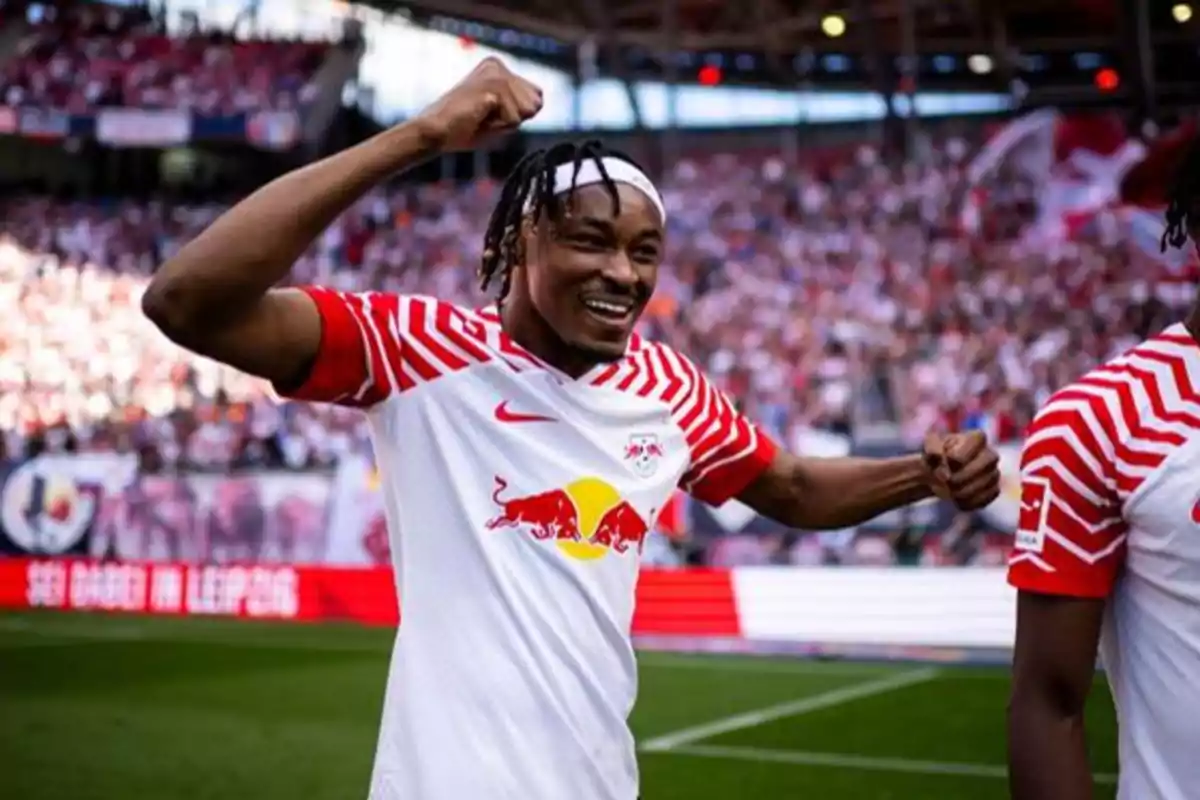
[585, 519]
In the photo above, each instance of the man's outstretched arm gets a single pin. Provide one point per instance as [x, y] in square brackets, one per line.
[216, 296]
[831, 493]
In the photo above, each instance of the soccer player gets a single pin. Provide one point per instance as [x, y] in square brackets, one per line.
[1107, 557]
[525, 449]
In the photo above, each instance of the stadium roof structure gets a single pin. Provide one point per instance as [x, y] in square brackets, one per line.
[1050, 46]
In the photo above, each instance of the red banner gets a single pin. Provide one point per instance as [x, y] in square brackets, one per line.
[670, 602]
[251, 591]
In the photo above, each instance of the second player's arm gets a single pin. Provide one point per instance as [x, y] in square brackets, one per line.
[1054, 663]
[215, 297]
[1067, 553]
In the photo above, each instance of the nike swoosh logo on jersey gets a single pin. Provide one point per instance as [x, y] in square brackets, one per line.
[503, 414]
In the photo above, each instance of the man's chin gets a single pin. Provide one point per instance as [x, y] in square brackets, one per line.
[601, 351]
[601, 341]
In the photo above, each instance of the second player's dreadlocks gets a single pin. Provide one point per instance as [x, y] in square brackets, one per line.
[529, 189]
[1184, 197]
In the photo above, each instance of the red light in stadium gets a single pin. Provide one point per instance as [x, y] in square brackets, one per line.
[1107, 80]
[709, 76]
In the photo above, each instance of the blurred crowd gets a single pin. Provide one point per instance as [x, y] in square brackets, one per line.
[818, 298]
[79, 57]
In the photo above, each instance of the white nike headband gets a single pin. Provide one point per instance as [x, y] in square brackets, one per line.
[619, 171]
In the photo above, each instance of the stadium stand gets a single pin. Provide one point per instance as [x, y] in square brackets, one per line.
[829, 292]
[851, 276]
[80, 57]
[806, 293]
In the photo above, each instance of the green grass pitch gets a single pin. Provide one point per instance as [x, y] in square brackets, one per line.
[125, 708]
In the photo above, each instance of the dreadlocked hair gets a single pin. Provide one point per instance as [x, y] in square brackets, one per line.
[529, 190]
[1185, 194]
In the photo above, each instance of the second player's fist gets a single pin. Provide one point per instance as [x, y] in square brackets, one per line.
[491, 99]
[962, 469]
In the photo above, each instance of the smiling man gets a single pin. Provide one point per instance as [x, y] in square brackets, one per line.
[524, 448]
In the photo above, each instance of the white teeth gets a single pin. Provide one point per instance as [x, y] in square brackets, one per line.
[607, 308]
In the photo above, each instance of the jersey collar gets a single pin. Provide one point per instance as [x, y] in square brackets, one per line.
[491, 313]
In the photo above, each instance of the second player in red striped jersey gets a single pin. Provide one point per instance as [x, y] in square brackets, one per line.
[524, 448]
[1107, 559]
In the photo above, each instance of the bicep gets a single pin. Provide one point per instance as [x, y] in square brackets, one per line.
[278, 339]
[315, 344]
[1054, 656]
[775, 487]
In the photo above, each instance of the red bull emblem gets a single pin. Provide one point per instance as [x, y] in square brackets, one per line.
[549, 515]
[586, 519]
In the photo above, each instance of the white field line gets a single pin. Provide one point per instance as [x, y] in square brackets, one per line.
[762, 666]
[803, 705]
[858, 762]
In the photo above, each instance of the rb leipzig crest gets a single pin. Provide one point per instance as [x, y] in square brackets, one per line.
[643, 453]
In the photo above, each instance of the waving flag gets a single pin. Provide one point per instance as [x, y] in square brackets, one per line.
[1081, 165]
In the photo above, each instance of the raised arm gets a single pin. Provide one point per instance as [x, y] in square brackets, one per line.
[216, 296]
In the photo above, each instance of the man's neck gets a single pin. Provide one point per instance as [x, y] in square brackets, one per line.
[525, 326]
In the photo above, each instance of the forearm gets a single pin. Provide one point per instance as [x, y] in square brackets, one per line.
[252, 246]
[841, 492]
[1047, 756]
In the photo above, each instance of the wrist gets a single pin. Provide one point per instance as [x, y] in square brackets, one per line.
[917, 476]
[430, 132]
[395, 150]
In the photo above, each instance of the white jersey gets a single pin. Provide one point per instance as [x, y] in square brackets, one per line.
[1110, 507]
[518, 500]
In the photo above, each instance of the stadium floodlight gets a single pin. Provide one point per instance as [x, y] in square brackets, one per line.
[980, 64]
[1182, 12]
[833, 25]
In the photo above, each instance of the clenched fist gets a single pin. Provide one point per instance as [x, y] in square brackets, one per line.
[962, 469]
[490, 100]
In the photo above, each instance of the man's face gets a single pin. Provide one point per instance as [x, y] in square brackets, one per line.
[591, 276]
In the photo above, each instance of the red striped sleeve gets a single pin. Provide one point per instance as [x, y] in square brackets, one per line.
[1070, 537]
[727, 450]
[376, 345]
[359, 357]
